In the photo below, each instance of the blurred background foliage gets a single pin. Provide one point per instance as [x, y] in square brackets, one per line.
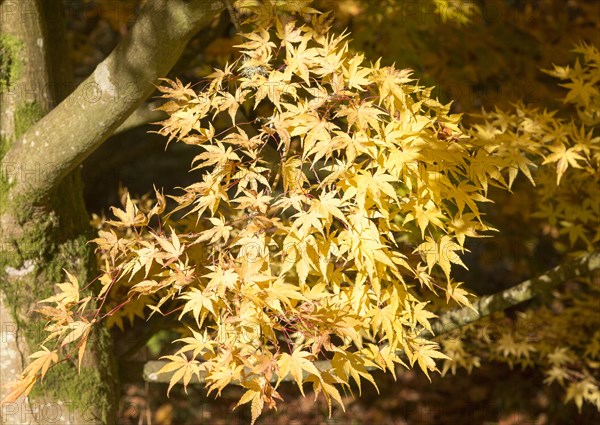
[477, 53]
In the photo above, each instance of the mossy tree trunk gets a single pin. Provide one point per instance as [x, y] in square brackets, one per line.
[46, 131]
[40, 239]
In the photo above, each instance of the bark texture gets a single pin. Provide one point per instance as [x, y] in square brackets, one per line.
[46, 131]
[40, 239]
[107, 98]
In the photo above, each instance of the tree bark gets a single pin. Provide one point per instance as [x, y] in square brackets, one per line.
[44, 136]
[145, 114]
[104, 101]
[39, 240]
[525, 291]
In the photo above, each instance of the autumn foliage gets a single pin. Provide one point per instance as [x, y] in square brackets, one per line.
[318, 241]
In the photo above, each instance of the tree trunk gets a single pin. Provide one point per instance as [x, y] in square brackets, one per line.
[43, 221]
[40, 240]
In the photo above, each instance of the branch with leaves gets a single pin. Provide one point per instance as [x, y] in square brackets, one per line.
[455, 319]
[337, 256]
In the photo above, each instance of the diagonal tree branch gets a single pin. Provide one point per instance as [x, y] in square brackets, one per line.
[60, 141]
[525, 291]
[458, 318]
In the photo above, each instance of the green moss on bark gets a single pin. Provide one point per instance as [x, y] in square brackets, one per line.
[41, 250]
[41, 236]
[66, 384]
[3, 147]
[41, 242]
[10, 62]
[26, 115]
[4, 185]
[45, 249]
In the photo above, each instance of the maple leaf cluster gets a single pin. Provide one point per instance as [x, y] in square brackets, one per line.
[562, 149]
[553, 142]
[321, 214]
